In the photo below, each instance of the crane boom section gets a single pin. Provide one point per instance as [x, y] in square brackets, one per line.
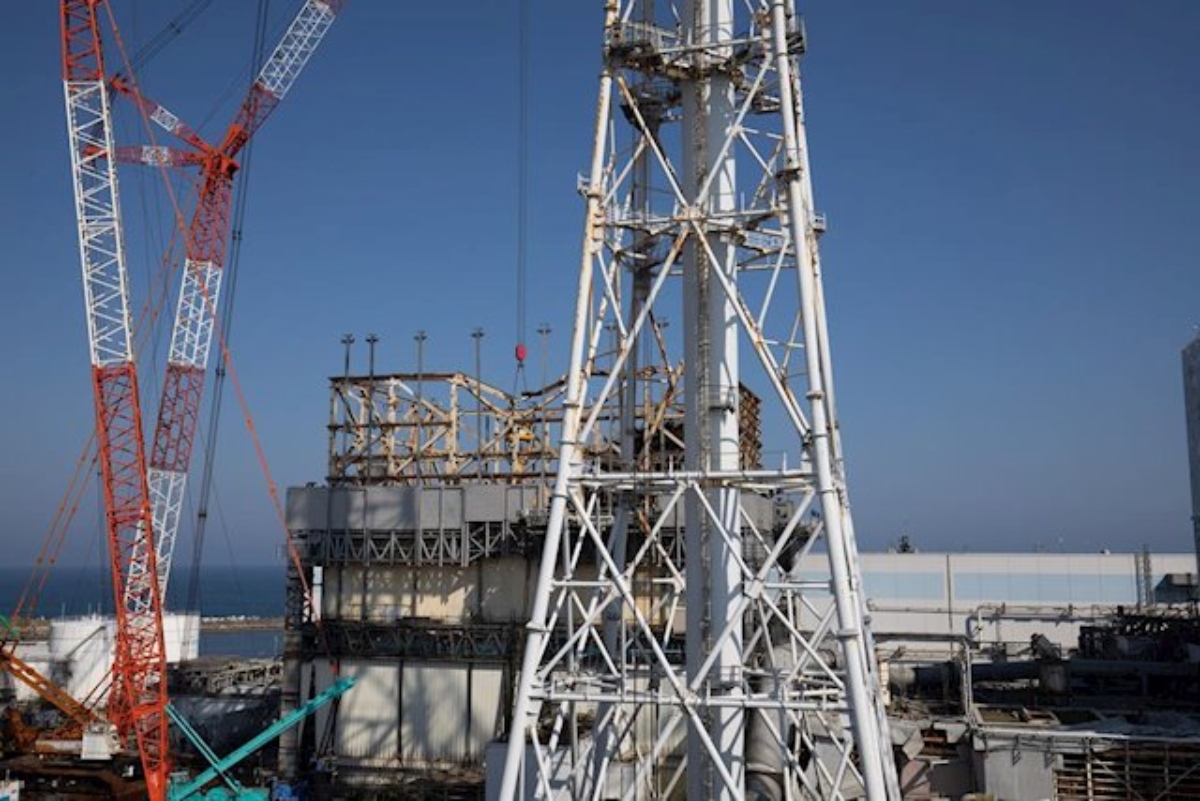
[101, 244]
[219, 767]
[183, 385]
[199, 296]
[138, 701]
[280, 71]
[47, 690]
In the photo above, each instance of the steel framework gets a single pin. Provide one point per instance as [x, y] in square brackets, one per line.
[420, 428]
[699, 204]
[138, 701]
[207, 242]
[452, 428]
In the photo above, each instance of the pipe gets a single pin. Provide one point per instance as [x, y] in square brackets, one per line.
[766, 774]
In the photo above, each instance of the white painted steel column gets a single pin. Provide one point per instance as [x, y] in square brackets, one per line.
[861, 679]
[524, 716]
[672, 707]
[711, 407]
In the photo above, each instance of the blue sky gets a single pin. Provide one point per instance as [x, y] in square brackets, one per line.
[1010, 267]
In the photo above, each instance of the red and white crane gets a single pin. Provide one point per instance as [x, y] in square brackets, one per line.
[138, 701]
[206, 244]
[138, 534]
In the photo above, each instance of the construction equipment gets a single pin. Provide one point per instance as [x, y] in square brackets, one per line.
[48, 691]
[138, 701]
[221, 767]
[698, 627]
[206, 244]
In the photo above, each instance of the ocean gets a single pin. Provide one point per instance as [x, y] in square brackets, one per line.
[244, 591]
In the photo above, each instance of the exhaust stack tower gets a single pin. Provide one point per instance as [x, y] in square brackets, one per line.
[682, 641]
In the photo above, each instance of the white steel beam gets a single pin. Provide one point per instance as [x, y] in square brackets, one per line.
[679, 642]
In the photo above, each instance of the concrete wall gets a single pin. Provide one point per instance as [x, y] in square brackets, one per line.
[493, 590]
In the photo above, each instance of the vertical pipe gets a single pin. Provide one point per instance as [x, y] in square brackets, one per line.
[544, 437]
[419, 450]
[608, 723]
[347, 415]
[711, 382]
[1191, 402]
[289, 692]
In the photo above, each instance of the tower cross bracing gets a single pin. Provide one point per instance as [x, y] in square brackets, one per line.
[679, 646]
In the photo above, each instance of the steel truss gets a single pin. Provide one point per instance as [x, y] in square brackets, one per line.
[413, 639]
[207, 244]
[138, 699]
[409, 548]
[699, 206]
[450, 428]
[416, 428]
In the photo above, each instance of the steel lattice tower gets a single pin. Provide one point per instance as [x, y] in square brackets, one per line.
[699, 627]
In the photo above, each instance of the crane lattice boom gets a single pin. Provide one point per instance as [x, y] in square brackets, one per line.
[207, 242]
[44, 687]
[138, 701]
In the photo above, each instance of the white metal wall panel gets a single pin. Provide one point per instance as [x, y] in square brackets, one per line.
[367, 715]
[441, 509]
[434, 720]
[487, 711]
[307, 508]
[324, 679]
[387, 508]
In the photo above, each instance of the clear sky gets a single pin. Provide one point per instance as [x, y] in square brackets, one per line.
[1011, 263]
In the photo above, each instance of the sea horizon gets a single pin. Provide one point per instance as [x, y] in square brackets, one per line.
[254, 591]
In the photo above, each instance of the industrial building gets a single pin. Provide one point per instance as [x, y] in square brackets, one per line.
[421, 564]
[603, 587]
[420, 553]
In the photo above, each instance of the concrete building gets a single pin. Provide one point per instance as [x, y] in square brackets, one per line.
[998, 601]
[417, 562]
[416, 566]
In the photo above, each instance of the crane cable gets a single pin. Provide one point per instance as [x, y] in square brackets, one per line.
[522, 190]
[160, 40]
[209, 446]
